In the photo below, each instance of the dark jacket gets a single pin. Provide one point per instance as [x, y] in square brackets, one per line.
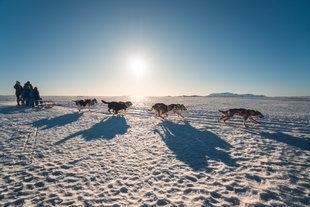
[26, 91]
[18, 89]
[36, 94]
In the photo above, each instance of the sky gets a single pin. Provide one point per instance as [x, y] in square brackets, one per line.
[156, 48]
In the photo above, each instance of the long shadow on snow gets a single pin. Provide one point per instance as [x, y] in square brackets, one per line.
[106, 129]
[193, 146]
[16, 109]
[302, 143]
[57, 121]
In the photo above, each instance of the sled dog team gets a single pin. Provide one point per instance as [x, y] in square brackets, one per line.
[31, 96]
[161, 110]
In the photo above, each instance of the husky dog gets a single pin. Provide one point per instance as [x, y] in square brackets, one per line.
[163, 109]
[83, 103]
[117, 106]
[245, 113]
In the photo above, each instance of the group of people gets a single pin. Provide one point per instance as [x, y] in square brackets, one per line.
[26, 95]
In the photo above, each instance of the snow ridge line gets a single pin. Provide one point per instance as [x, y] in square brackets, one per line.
[33, 147]
[25, 143]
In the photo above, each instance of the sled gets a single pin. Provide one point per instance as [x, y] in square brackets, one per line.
[46, 104]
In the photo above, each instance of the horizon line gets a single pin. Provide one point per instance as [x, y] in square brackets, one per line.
[238, 96]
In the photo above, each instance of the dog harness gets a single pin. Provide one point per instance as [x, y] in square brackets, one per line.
[240, 111]
[160, 105]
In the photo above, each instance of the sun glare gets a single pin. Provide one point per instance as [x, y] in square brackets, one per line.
[137, 98]
[137, 65]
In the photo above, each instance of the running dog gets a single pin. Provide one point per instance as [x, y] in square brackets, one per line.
[163, 109]
[83, 103]
[117, 106]
[245, 113]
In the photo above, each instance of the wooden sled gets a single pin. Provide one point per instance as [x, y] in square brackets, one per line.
[46, 104]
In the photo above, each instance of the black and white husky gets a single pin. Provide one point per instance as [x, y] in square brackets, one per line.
[163, 109]
[83, 103]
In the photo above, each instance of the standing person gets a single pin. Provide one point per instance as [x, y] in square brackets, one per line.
[25, 93]
[18, 92]
[36, 95]
[31, 96]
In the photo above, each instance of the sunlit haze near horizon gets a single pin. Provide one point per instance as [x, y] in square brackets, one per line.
[156, 48]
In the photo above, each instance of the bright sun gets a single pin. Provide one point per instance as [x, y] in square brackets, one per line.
[137, 65]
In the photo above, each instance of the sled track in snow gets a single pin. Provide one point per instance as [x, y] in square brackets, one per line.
[27, 150]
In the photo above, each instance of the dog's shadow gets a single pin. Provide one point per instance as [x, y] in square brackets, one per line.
[193, 146]
[57, 121]
[105, 129]
[302, 143]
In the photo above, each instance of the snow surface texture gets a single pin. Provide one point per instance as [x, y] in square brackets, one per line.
[61, 157]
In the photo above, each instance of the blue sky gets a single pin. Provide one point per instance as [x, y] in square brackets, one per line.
[73, 47]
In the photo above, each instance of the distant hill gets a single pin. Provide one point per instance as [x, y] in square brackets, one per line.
[227, 94]
[190, 96]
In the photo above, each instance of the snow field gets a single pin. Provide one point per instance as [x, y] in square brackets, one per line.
[61, 157]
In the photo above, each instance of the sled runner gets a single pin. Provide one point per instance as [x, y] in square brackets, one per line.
[46, 104]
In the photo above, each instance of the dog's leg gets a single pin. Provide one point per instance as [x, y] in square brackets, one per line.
[179, 115]
[244, 119]
[254, 121]
[161, 115]
[244, 123]
[226, 119]
[223, 116]
[176, 112]
[164, 114]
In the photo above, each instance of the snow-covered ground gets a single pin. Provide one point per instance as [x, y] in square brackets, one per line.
[61, 157]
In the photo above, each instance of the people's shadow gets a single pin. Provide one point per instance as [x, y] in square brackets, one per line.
[193, 146]
[57, 121]
[302, 143]
[105, 129]
[16, 109]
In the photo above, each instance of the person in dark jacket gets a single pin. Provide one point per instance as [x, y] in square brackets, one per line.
[26, 92]
[36, 95]
[18, 92]
[31, 97]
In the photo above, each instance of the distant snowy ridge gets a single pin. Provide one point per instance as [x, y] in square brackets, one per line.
[227, 94]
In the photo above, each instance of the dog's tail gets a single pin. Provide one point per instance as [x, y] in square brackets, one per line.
[104, 102]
